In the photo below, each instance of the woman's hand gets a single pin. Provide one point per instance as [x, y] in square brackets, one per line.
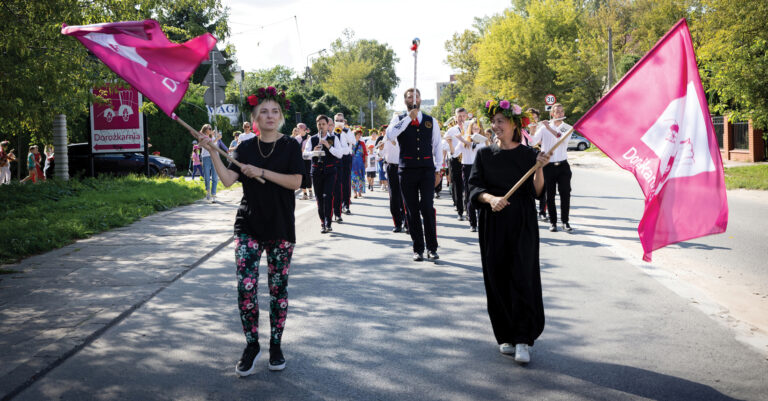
[542, 159]
[251, 171]
[498, 203]
[205, 142]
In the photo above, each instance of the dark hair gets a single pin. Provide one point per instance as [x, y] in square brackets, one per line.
[534, 111]
[517, 135]
[411, 90]
[322, 117]
[459, 110]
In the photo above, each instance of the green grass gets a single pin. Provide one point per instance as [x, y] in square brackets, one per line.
[39, 217]
[747, 177]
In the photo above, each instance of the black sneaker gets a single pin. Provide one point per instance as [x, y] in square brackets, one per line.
[461, 217]
[346, 211]
[432, 255]
[247, 363]
[323, 229]
[276, 359]
[418, 257]
[473, 229]
[553, 228]
[339, 219]
[437, 196]
[397, 229]
[567, 227]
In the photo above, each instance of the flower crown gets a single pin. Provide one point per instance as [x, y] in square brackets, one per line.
[269, 93]
[510, 110]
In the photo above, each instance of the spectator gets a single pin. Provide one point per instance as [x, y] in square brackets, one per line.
[197, 165]
[33, 164]
[47, 171]
[6, 157]
[359, 159]
[235, 141]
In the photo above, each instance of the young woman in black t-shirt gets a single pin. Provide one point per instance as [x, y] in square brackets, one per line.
[265, 221]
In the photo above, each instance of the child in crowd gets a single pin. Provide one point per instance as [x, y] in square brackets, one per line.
[197, 165]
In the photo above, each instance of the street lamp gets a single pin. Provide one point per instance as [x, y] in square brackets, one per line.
[308, 55]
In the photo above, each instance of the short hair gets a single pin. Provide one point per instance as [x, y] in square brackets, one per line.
[557, 105]
[246, 124]
[411, 90]
[340, 114]
[236, 133]
[459, 110]
[32, 147]
[322, 117]
[533, 111]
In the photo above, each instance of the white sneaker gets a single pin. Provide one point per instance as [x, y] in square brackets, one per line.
[213, 198]
[507, 349]
[521, 353]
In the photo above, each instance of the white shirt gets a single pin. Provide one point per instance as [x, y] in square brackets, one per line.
[397, 126]
[244, 137]
[548, 140]
[468, 154]
[335, 150]
[391, 152]
[349, 139]
[452, 133]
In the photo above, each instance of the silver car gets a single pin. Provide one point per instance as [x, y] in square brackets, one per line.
[578, 142]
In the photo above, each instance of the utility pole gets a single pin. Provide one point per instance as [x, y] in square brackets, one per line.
[610, 58]
[370, 101]
[213, 67]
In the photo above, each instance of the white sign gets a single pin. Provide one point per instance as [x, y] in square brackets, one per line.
[227, 110]
[550, 99]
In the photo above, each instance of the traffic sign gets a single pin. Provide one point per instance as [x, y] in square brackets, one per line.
[220, 96]
[216, 56]
[214, 72]
[550, 99]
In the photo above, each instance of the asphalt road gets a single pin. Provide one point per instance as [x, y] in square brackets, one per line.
[367, 323]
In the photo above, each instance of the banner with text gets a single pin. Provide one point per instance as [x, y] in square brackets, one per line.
[117, 126]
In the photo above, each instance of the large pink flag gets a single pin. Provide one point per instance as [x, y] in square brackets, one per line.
[655, 123]
[139, 52]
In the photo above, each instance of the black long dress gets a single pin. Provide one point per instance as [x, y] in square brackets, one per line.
[509, 244]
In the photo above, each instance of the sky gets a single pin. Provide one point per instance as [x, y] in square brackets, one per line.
[266, 34]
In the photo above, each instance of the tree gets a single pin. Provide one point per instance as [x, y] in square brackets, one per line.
[734, 58]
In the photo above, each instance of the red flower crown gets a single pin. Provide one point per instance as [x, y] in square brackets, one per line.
[269, 93]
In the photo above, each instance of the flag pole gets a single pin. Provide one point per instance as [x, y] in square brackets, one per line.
[195, 133]
[533, 169]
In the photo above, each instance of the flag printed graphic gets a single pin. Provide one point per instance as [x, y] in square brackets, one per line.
[656, 124]
[140, 53]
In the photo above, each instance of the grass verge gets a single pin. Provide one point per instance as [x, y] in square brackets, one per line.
[747, 177]
[41, 217]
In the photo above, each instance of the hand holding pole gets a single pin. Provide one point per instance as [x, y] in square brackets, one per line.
[198, 135]
[536, 166]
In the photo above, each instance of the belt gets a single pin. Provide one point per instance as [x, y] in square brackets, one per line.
[559, 162]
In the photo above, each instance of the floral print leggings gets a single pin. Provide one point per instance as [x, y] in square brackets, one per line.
[247, 255]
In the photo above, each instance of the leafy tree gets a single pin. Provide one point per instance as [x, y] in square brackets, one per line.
[734, 58]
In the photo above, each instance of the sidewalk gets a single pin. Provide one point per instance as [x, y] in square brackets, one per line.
[62, 300]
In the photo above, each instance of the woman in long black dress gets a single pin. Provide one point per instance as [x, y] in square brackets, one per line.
[509, 232]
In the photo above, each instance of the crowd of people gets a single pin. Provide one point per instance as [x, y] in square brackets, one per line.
[412, 157]
[38, 169]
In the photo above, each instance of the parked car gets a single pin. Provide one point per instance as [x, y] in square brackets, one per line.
[578, 142]
[116, 163]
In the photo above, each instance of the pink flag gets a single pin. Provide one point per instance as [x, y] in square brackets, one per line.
[139, 52]
[656, 124]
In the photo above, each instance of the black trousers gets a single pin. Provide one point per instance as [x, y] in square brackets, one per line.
[466, 170]
[439, 186]
[457, 184]
[396, 206]
[558, 178]
[324, 182]
[418, 186]
[338, 189]
[346, 180]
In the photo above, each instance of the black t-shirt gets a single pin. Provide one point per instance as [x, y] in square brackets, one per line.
[267, 210]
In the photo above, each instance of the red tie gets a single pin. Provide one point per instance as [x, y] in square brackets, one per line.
[415, 122]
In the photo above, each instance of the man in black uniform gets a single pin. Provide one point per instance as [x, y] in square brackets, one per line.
[348, 142]
[324, 169]
[418, 136]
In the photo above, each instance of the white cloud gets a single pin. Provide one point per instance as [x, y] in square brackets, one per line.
[394, 22]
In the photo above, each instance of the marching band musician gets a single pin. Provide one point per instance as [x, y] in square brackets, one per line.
[455, 164]
[324, 172]
[418, 136]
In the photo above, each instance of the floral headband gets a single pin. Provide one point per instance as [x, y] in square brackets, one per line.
[510, 110]
[269, 93]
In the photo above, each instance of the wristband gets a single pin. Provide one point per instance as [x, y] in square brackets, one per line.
[262, 173]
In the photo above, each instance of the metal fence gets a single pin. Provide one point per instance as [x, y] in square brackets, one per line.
[717, 122]
[741, 135]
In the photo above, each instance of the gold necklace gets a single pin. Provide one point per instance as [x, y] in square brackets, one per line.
[258, 144]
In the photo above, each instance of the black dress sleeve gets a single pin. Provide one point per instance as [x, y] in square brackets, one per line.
[232, 166]
[477, 183]
[295, 159]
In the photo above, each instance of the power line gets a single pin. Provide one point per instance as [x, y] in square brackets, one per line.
[264, 26]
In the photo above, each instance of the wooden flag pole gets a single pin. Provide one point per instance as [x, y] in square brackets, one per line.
[197, 134]
[533, 169]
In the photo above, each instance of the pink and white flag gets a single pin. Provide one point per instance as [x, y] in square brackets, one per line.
[139, 52]
[655, 123]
